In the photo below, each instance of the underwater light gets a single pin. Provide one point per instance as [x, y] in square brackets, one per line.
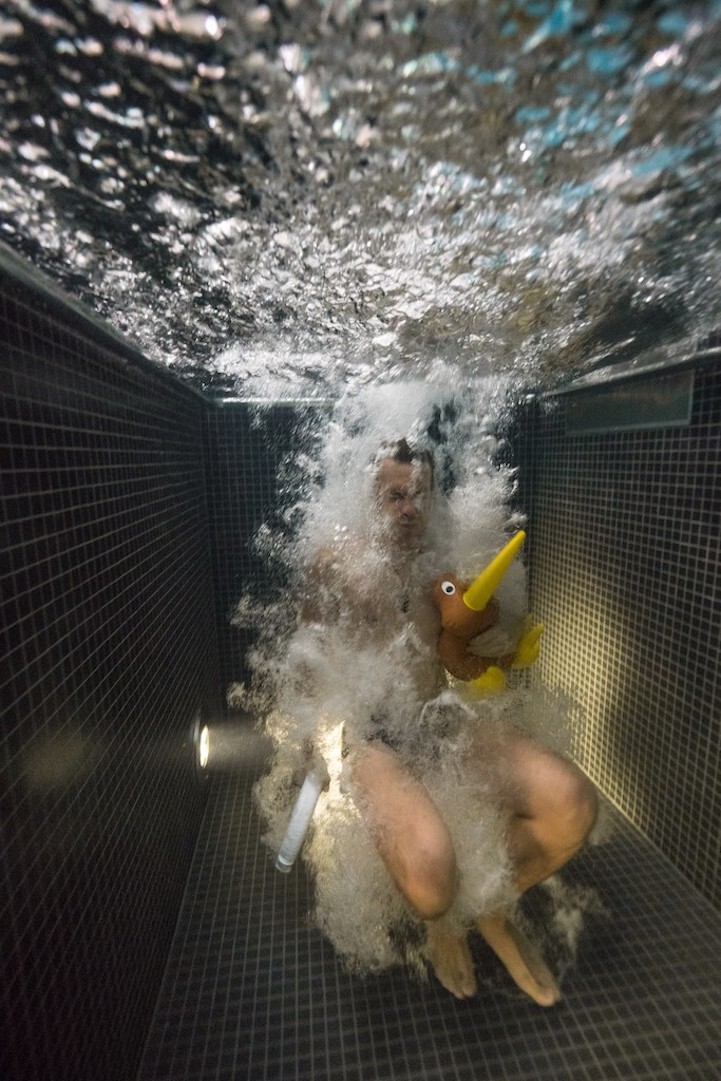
[204, 747]
[236, 747]
[200, 746]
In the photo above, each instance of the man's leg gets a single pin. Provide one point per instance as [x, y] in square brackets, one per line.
[552, 808]
[410, 834]
[416, 847]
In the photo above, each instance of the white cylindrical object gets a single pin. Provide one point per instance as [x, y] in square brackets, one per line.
[299, 821]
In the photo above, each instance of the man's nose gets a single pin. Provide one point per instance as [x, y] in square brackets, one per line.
[408, 508]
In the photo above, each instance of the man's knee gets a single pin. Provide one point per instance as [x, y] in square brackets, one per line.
[575, 800]
[430, 874]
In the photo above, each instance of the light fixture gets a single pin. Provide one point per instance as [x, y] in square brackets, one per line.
[204, 746]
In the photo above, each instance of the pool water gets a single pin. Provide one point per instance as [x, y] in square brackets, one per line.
[283, 199]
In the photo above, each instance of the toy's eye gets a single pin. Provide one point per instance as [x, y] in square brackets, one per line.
[448, 588]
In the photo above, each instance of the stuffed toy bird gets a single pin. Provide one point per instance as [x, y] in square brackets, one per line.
[467, 611]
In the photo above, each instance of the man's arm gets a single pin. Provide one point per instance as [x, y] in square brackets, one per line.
[321, 601]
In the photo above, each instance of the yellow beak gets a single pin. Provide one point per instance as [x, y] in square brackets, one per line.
[485, 585]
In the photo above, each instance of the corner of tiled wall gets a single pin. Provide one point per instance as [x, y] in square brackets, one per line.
[624, 552]
[109, 653]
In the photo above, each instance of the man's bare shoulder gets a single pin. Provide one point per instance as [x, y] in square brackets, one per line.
[331, 582]
[336, 559]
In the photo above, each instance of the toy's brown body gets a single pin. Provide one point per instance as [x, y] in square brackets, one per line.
[467, 611]
[460, 625]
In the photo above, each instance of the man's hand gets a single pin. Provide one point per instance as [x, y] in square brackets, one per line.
[312, 760]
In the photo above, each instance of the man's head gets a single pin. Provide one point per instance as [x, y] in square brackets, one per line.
[403, 487]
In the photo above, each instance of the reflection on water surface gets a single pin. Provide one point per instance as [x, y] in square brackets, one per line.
[350, 190]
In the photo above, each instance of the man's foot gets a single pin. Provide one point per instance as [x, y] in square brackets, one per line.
[522, 960]
[451, 961]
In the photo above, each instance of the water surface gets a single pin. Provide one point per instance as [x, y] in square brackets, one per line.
[291, 197]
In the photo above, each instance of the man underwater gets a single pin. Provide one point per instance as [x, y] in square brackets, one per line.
[549, 806]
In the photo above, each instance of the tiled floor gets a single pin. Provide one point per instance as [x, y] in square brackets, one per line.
[253, 993]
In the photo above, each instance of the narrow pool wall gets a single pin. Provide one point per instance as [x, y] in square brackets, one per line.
[625, 556]
[108, 657]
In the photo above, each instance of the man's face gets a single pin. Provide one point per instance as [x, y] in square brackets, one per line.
[403, 499]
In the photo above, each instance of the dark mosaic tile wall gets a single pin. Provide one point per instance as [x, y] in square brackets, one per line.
[108, 653]
[249, 485]
[625, 551]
